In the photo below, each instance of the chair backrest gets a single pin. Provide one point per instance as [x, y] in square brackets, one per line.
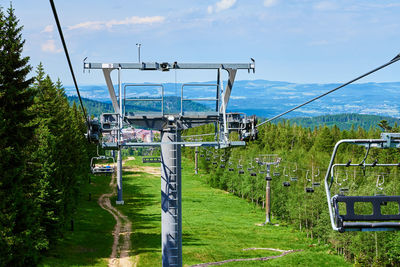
[376, 202]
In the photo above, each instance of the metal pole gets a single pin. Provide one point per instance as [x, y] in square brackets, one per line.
[171, 205]
[119, 163]
[268, 197]
[138, 46]
[196, 162]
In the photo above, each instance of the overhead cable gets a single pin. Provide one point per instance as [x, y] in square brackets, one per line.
[68, 59]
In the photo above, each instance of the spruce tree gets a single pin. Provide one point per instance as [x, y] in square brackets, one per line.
[19, 231]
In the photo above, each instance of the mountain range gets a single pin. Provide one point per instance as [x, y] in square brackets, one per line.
[268, 98]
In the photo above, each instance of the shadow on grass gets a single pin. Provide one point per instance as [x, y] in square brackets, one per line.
[143, 207]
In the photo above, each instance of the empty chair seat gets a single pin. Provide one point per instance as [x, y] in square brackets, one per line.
[277, 173]
[151, 160]
[293, 179]
[366, 222]
[316, 184]
[309, 190]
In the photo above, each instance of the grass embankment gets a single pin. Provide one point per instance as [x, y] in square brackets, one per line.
[90, 242]
[216, 226]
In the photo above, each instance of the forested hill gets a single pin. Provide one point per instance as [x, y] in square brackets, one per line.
[171, 105]
[343, 121]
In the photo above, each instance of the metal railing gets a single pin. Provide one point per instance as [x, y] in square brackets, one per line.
[145, 99]
[216, 99]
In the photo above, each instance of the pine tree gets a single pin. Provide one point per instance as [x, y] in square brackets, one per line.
[19, 231]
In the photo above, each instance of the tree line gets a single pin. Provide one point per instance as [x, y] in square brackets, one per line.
[305, 155]
[43, 153]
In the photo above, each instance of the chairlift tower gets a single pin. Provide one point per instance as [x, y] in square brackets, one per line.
[271, 160]
[170, 126]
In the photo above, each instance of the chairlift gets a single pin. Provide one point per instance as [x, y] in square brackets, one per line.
[231, 169]
[102, 168]
[294, 178]
[240, 167]
[222, 166]
[309, 190]
[268, 178]
[317, 184]
[201, 155]
[253, 174]
[207, 159]
[151, 160]
[286, 183]
[352, 221]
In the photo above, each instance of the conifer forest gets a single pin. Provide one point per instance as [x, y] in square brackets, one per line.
[54, 210]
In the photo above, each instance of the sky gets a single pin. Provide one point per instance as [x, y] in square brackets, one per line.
[301, 41]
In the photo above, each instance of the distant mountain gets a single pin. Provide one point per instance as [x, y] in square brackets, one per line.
[343, 121]
[171, 105]
[267, 98]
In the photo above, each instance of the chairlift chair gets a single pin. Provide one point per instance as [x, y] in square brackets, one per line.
[151, 160]
[102, 169]
[286, 184]
[294, 178]
[352, 221]
[309, 190]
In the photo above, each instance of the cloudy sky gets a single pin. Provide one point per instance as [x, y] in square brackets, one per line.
[304, 41]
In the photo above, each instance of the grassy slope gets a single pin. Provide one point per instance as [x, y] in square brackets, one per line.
[90, 242]
[216, 226]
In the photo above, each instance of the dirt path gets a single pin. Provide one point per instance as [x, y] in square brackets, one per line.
[123, 227]
[284, 253]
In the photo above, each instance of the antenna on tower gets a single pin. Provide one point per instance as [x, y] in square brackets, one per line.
[138, 46]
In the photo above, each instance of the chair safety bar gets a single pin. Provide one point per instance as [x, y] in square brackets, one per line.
[145, 99]
[216, 99]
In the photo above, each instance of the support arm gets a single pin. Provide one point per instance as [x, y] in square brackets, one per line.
[110, 86]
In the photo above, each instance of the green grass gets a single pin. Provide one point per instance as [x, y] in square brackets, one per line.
[90, 242]
[216, 226]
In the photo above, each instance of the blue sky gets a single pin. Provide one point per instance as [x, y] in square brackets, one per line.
[303, 41]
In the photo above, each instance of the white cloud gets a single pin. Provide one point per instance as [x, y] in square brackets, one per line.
[220, 6]
[325, 6]
[269, 3]
[99, 25]
[50, 46]
[48, 28]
